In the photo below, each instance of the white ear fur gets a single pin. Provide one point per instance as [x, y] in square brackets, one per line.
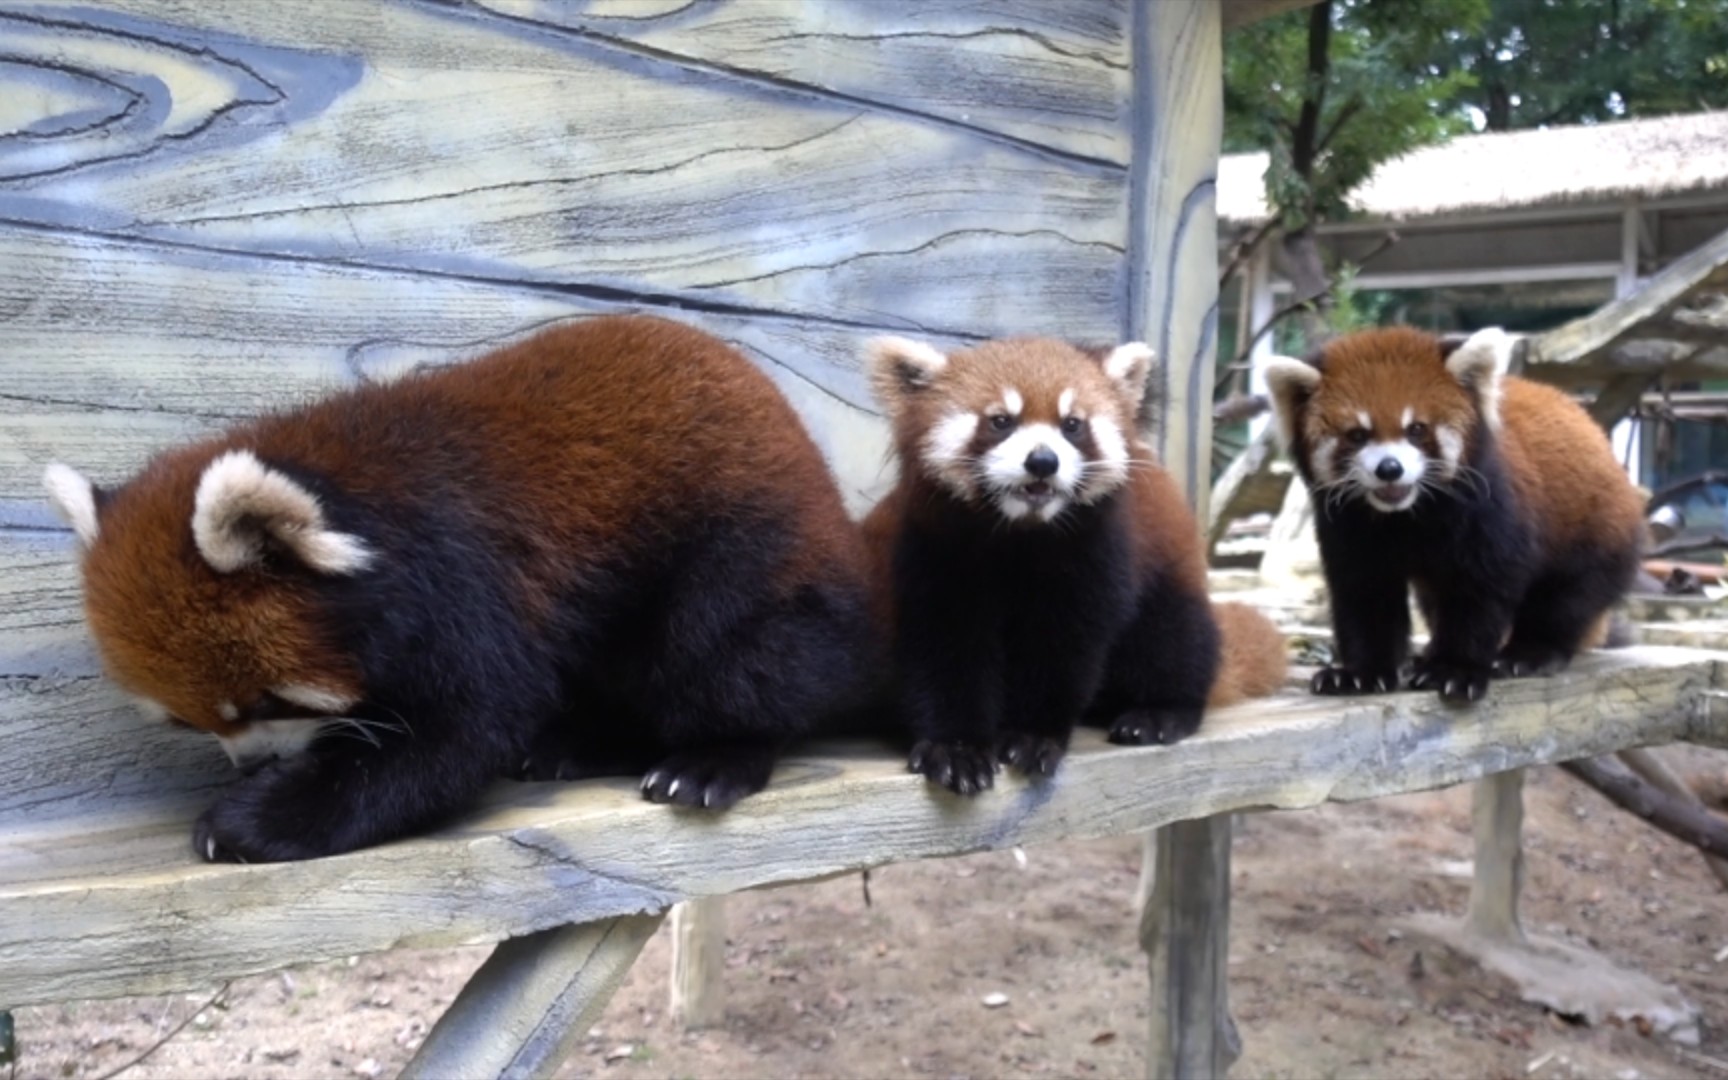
[74, 499]
[899, 366]
[1290, 381]
[1129, 365]
[1479, 364]
[241, 501]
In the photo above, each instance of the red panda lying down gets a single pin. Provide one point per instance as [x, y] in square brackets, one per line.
[1038, 568]
[609, 547]
[1498, 500]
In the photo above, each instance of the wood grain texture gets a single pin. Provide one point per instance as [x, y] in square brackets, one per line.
[183, 341]
[105, 905]
[1048, 75]
[395, 135]
[1173, 305]
[1173, 234]
[698, 986]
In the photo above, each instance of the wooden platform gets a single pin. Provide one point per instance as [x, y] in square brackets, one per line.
[114, 905]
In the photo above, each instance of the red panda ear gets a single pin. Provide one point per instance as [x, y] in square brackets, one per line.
[242, 505]
[1128, 367]
[1291, 382]
[74, 498]
[900, 367]
[1479, 364]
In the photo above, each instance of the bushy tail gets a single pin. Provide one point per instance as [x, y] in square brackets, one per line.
[1252, 657]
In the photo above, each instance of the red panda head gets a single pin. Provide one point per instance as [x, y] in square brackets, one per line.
[197, 593]
[1387, 414]
[1028, 426]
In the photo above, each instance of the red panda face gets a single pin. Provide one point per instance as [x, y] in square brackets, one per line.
[1029, 427]
[1387, 416]
[196, 607]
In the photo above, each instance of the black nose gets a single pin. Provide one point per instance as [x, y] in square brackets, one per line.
[1042, 462]
[1389, 469]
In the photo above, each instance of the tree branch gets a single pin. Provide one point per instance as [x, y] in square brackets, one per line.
[1245, 250]
[1297, 305]
[1688, 822]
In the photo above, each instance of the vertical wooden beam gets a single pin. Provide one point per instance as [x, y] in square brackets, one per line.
[534, 997]
[1172, 303]
[698, 996]
[1497, 818]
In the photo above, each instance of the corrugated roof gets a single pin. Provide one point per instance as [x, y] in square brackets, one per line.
[1672, 155]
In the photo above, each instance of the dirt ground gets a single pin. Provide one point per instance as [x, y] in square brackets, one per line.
[819, 984]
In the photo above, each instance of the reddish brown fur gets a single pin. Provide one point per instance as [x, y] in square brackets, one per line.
[1557, 458]
[1253, 658]
[173, 629]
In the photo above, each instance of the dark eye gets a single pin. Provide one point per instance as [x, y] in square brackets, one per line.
[270, 707]
[1356, 436]
[1072, 425]
[1417, 430]
[1001, 422]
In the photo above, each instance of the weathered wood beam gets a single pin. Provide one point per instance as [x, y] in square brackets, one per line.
[1618, 396]
[112, 905]
[523, 1011]
[1582, 341]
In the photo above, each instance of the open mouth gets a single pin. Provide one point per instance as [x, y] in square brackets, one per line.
[1037, 493]
[1392, 496]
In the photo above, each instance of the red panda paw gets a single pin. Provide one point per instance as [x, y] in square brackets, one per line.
[961, 767]
[1158, 725]
[1521, 661]
[1034, 755]
[1456, 683]
[1333, 681]
[710, 780]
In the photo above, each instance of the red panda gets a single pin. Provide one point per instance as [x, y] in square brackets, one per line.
[1497, 499]
[1038, 569]
[609, 546]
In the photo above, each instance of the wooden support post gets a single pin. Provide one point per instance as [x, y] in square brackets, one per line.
[1173, 306]
[1497, 814]
[699, 963]
[1185, 931]
[525, 1008]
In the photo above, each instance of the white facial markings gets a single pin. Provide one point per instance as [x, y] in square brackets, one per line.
[1398, 489]
[1013, 402]
[1005, 472]
[265, 740]
[1065, 403]
[1365, 421]
[945, 451]
[1451, 442]
[1109, 469]
[1409, 415]
[316, 698]
[228, 711]
[1321, 459]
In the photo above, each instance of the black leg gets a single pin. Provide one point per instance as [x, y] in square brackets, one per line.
[1370, 624]
[1161, 669]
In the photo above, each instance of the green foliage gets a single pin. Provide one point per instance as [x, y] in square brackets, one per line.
[1329, 109]
[1541, 62]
